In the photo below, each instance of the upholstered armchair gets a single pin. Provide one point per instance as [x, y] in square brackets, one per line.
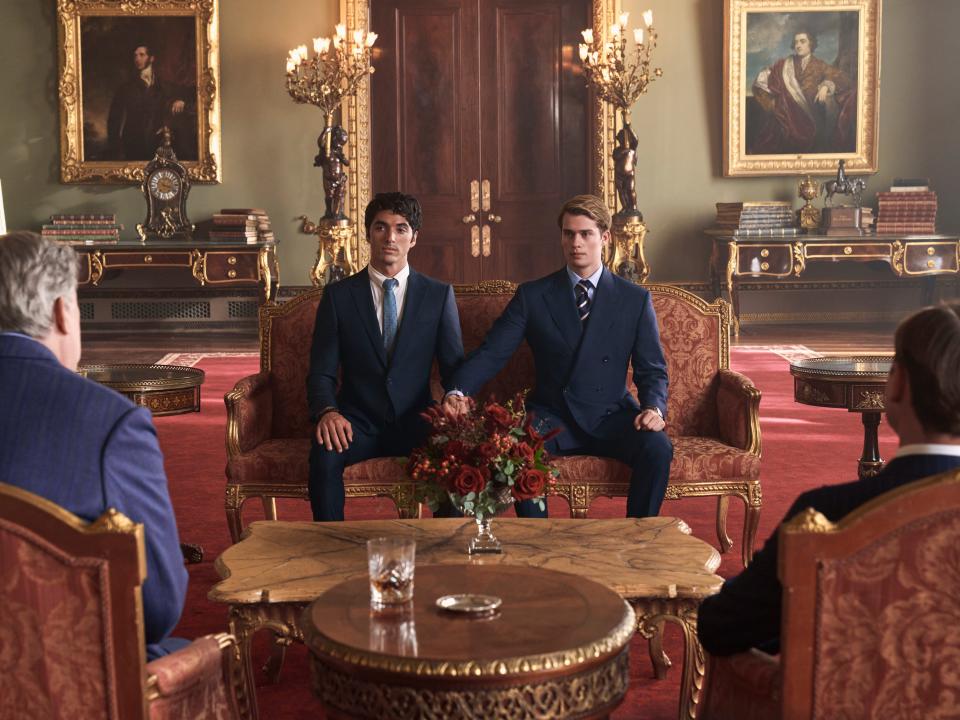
[870, 616]
[712, 413]
[71, 626]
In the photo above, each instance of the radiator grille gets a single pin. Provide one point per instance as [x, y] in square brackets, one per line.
[160, 310]
[86, 311]
[242, 309]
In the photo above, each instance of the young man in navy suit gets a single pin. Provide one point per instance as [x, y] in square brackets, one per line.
[72, 441]
[379, 331]
[923, 407]
[584, 325]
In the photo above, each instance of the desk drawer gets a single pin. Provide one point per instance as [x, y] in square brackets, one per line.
[771, 260]
[231, 266]
[146, 258]
[928, 258]
[854, 250]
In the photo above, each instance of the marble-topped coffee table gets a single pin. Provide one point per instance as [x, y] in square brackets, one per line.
[654, 563]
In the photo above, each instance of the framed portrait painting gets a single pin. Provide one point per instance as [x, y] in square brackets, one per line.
[128, 69]
[801, 86]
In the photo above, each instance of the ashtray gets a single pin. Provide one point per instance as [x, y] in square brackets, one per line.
[470, 604]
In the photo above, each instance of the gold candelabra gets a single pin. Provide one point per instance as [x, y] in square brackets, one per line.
[620, 77]
[325, 79]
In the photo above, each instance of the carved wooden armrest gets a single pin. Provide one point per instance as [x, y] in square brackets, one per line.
[738, 411]
[249, 413]
[202, 681]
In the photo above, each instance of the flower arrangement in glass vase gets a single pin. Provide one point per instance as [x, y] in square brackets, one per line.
[482, 461]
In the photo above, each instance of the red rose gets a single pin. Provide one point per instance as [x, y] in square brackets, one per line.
[524, 451]
[485, 452]
[469, 479]
[530, 484]
[499, 415]
[456, 448]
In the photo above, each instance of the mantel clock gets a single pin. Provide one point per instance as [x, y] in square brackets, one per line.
[165, 187]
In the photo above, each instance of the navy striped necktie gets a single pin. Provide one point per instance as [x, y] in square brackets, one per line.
[583, 299]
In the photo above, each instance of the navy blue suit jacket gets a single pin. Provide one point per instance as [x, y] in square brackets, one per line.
[746, 611]
[376, 390]
[88, 448]
[580, 374]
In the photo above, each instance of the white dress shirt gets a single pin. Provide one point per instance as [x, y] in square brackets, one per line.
[594, 281]
[400, 292]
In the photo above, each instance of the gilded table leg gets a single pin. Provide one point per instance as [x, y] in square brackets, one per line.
[244, 622]
[652, 613]
[660, 660]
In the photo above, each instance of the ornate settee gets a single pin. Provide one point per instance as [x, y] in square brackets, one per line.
[712, 414]
[869, 616]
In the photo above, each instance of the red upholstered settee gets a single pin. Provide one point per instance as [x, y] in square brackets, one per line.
[712, 413]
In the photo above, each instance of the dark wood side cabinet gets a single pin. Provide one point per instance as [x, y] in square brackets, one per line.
[778, 257]
[209, 263]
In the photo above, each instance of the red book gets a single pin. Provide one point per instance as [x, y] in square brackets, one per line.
[904, 196]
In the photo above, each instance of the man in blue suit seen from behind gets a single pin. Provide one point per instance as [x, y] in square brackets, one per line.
[379, 331]
[922, 399]
[584, 325]
[70, 440]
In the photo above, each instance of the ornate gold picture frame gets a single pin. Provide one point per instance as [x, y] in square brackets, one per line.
[801, 86]
[129, 68]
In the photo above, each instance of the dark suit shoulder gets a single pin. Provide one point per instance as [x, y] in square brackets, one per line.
[631, 289]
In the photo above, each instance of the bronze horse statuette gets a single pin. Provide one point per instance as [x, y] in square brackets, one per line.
[843, 186]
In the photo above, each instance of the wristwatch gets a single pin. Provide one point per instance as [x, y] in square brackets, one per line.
[657, 410]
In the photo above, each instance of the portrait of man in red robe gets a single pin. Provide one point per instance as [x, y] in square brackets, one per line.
[803, 104]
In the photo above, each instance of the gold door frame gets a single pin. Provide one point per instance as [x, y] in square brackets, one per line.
[355, 14]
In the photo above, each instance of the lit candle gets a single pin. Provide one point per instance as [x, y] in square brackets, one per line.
[337, 41]
[623, 19]
[342, 31]
[638, 35]
[615, 30]
[588, 36]
[324, 45]
[316, 45]
[584, 51]
[371, 39]
[291, 65]
[302, 52]
[648, 18]
[358, 37]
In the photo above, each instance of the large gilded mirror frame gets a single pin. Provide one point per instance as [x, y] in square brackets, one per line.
[98, 42]
[355, 14]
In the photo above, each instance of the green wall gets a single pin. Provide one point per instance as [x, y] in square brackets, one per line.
[269, 142]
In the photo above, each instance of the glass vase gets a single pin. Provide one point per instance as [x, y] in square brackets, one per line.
[484, 542]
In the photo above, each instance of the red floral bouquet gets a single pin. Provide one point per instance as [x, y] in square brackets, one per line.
[482, 460]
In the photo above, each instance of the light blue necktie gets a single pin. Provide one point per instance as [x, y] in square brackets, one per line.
[389, 313]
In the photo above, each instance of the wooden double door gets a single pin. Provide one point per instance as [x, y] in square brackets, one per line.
[479, 108]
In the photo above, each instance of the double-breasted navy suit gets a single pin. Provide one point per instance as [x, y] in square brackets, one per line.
[381, 395]
[581, 371]
[88, 448]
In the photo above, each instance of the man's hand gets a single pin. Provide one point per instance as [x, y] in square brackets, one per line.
[649, 420]
[334, 431]
[177, 107]
[822, 94]
[456, 405]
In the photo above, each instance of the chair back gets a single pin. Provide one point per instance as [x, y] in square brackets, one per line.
[695, 336]
[869, 624]
[71, 622]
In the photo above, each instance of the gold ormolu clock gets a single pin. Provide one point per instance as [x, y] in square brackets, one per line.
[165, 186]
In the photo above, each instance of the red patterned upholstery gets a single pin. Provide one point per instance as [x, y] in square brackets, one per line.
[711, 412]
[71, 643]
[871, 625]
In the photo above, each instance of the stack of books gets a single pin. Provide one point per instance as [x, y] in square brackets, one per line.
[746, 219]
[83, 229]
[245, 225]
[909, 207]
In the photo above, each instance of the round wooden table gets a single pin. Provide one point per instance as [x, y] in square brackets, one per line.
[852, 382]
[557, 648]
[162, 389]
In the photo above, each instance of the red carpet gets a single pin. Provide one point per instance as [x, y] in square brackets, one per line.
[803, 447]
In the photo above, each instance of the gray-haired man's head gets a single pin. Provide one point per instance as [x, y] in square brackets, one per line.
[38, 293]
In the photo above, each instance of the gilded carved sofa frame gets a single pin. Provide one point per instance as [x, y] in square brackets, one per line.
[582, 479]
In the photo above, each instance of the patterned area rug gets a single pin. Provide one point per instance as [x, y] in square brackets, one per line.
[191, 359]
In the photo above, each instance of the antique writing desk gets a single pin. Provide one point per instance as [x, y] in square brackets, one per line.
[209, 263]
[654, 563]
[772, 256]
[557, 647]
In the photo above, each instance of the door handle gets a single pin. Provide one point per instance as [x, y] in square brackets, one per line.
[485, 196]
[467, 219]
[494, 218]
[475, 241]
[474, 196]
[486, 240]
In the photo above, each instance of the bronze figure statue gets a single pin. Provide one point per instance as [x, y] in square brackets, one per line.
[625, 165]
[333, 160]
[844, 186]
